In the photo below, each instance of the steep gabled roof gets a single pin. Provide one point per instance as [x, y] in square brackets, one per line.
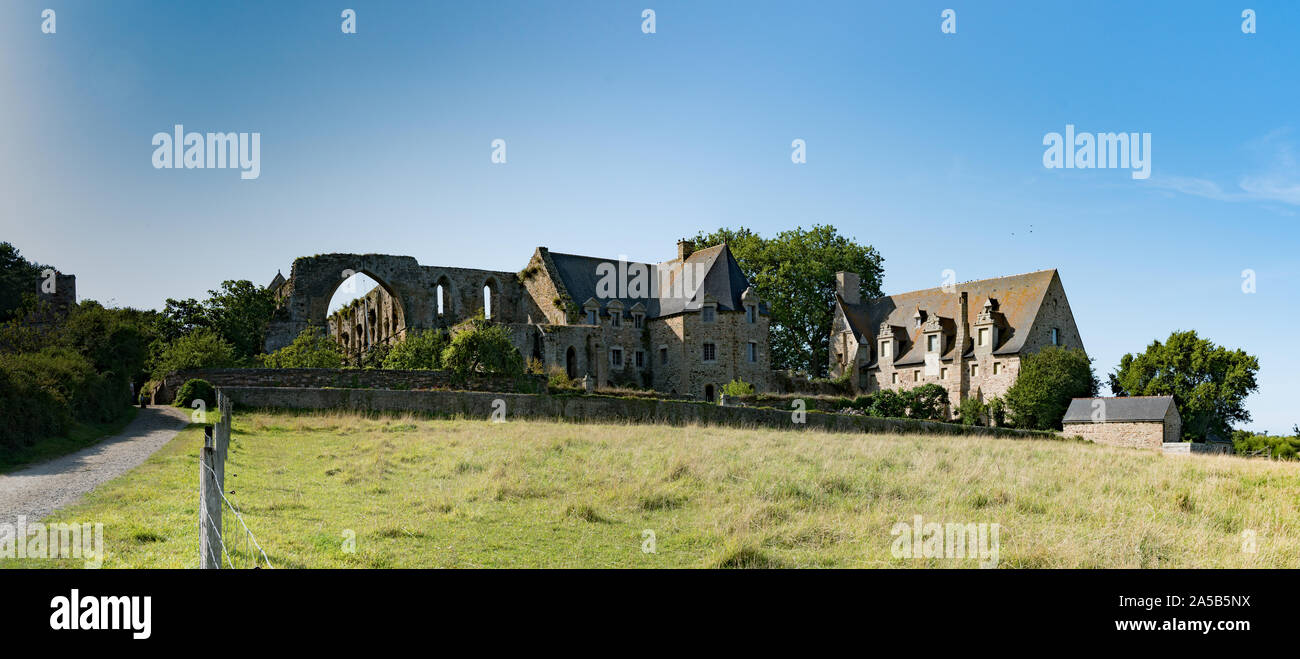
[1017, 299]
[722, 279]
[1120, 410]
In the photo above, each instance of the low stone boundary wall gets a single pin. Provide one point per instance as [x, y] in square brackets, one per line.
[353, 378]
[591, 408]
[1188, 448]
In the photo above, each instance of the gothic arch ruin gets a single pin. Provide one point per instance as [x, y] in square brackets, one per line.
[304, 297]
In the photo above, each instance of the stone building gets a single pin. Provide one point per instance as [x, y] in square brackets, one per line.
[968, 338]
[685, 326]
[1132, 421]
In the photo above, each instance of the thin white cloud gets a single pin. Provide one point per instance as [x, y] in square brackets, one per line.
[1278, 181]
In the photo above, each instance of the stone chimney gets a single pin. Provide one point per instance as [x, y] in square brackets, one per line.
[849, 287]
[963, 332]
[684, 249]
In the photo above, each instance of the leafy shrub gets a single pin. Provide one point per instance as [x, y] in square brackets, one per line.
[862, 403]
[310, 349]
[997, 410]
[420, 350]
[202, 348]
[889, 403]
[30, 412]
[1047, 381]
[196, 389]
[972, 412]
[928, 402]
[43, 393]
[738, 387]
[559, 379]
[1277, 447]
[483, 347]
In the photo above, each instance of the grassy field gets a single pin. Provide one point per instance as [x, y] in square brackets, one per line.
[467, 493]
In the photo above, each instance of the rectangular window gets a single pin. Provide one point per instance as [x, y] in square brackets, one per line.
[884, 350]
[616, 357]
[753, 351]
[663, 356]
[997, 367]
[616, 318]
[710, 352]
[983, 336]
[1056, 337]
[591, 316]
[916, 376]
[637, 320]
[708, 314]
[751, 313]
[974, 370]
[943, 374]
[893, 378]
[640, 359]
[932, 343]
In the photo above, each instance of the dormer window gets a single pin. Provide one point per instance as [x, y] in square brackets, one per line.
[615, 319]
[751, 313]
[982, 337]
[884, 350]
[638, 320]
[932, 343]
[591, 316]
[708, 313]
[919, 317]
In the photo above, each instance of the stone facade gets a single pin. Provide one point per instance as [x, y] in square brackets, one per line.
[968, 338]
[1135, 434]
[699, 326]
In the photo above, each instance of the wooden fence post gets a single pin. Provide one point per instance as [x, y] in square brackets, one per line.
[209, 507]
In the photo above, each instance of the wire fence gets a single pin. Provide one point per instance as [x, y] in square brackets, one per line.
[225, 541]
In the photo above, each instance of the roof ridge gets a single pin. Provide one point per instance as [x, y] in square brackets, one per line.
[962, 283]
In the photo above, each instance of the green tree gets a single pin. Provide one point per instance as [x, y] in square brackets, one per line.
[1048, 380]
[180, 317]
[1209, 383]
[19, 281]
[114, 340]
[202, 348]
[420, 350]
[794, 273]
[483, 347]
[240, 311]
[312, 348]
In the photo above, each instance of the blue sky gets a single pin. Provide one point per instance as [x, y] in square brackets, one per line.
[925, 145]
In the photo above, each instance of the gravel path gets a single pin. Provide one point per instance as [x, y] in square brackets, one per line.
[40, 489]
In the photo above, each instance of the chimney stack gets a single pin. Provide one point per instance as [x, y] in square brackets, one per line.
[684, 249]
[849, 287]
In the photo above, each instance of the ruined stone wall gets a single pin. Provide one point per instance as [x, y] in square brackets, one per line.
[313, 281]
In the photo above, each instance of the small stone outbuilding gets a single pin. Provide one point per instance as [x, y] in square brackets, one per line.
[1132, 421]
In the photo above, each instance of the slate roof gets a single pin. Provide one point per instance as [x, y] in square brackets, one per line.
[1121, 409]
[1017, 299]
[723, 281]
